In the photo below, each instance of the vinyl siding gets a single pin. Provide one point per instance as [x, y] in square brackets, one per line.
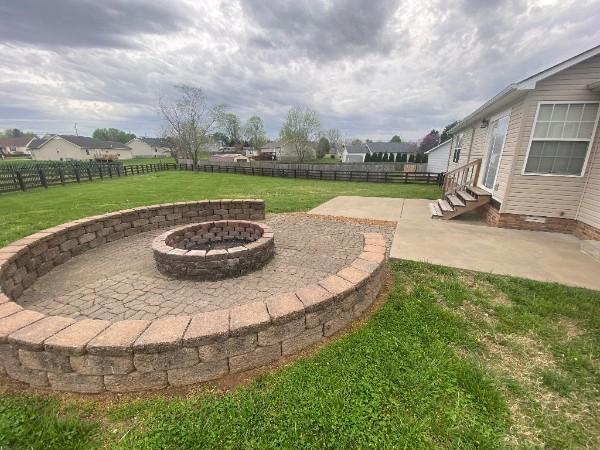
[589, 206]
[551, 196]
[58, 148]
[438, 159]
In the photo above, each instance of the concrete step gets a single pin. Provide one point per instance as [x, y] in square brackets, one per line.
[591, 248]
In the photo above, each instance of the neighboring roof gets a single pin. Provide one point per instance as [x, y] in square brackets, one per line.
[21, 141]
[154, 142]
[441, 146]
[516, 90]
[382, 147]
[271, 145]
[80, 141]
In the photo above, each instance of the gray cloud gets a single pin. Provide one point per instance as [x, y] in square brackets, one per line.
[86, 23]
[372, 69]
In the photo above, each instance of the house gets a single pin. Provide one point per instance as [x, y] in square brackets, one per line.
[437, 157]
[63, 147]
[356, 153]
[15, 146]
[230, 157]
[147, 147]
[529, 157]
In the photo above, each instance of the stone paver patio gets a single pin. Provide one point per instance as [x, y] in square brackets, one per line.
[120, 281]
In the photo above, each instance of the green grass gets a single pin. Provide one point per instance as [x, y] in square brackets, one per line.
[131, 162]
[22, 213]
[440, 365]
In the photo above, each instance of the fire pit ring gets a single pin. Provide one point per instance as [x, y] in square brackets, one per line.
[213, 250]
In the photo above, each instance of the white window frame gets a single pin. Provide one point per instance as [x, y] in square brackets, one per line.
[460, 135]
[590, 141]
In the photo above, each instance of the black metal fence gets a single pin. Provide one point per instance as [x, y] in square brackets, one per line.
[322, 174]
[30, 176]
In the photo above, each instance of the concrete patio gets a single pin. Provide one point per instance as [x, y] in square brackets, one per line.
[470, 244]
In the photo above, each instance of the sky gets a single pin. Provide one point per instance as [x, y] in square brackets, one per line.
[371, 68]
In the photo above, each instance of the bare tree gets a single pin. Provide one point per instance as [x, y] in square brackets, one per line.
[334, 137]
[231, 127]
[190, 120]
[300, 130]
[254, 131]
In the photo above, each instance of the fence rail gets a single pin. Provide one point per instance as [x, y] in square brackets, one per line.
[323, 174]
[24, 178]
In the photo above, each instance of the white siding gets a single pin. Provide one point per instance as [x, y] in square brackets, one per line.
[57, 149]
[437, 160]
[139, 149]
[589, 206]
[552, 196]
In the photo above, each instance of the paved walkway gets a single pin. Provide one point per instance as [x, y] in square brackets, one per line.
[119, 280]
[470, 244]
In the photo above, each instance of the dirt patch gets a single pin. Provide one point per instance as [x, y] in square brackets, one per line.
[378, 223]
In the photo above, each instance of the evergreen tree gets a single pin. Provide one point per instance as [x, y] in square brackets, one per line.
[418, 158]
[425, 158]
[403, 157]
[368, 157]
[411, 158]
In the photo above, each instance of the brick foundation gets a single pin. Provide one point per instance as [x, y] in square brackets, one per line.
[92, 356]
[492, 216]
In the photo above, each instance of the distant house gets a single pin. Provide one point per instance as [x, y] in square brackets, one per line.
[437, 157]
[356, 153]
[62, 147]
[231, 157]
[281, 151]
[15, 146]
[147, 147]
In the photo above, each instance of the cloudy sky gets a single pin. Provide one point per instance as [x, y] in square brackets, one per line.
[371, 68]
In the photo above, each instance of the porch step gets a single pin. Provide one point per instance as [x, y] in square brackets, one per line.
[466, 196]
[435, 210]
[455, 201]
[445, 206]
[478, 191]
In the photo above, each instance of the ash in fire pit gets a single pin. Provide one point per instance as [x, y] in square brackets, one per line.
[213, 250]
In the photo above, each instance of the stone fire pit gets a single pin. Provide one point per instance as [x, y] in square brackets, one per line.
[213, 250]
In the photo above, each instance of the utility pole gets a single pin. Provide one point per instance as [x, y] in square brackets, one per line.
[75, 126]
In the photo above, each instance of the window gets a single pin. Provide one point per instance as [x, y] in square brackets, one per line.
[458, 142]
[561, 138]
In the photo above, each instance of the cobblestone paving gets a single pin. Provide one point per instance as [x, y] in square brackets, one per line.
[119, 280]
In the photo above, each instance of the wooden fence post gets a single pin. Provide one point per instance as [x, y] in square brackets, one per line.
[89, 173]
[76, 170]
[109, 171]
[43, 178]
[61, 174]
[21, 181]
[100, 171]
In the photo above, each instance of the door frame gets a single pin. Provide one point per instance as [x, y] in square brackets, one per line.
[486, 153]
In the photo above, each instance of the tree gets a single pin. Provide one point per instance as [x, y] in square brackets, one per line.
[431, 139]
[231, 127]
[367, 157]
[300, 130]
[113, 135]
[323, 147]
[220, 137]
[254, 132]
[411, 158]
[403, 157]
[445, 132]
[356, 141]
[13, 132]
[425, 158]
[418, 158]
[334, 137]
[396, 139]
[190, 121]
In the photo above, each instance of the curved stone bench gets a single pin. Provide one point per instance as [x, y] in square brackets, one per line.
[93, 356]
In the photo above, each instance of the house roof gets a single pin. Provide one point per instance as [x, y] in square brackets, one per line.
[271, 145]
[382, 147]
[80, 141]
[154, 142]
[21, 141]
[520, 88]
[441, 146]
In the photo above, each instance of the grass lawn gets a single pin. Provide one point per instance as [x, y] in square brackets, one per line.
[22, 213]
[453, 359]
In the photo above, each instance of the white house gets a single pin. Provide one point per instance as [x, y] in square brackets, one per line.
[146, 147]
[437, 157]
[356, 153]
[62, 147]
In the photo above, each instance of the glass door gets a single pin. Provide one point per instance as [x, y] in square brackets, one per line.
[498, 130]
